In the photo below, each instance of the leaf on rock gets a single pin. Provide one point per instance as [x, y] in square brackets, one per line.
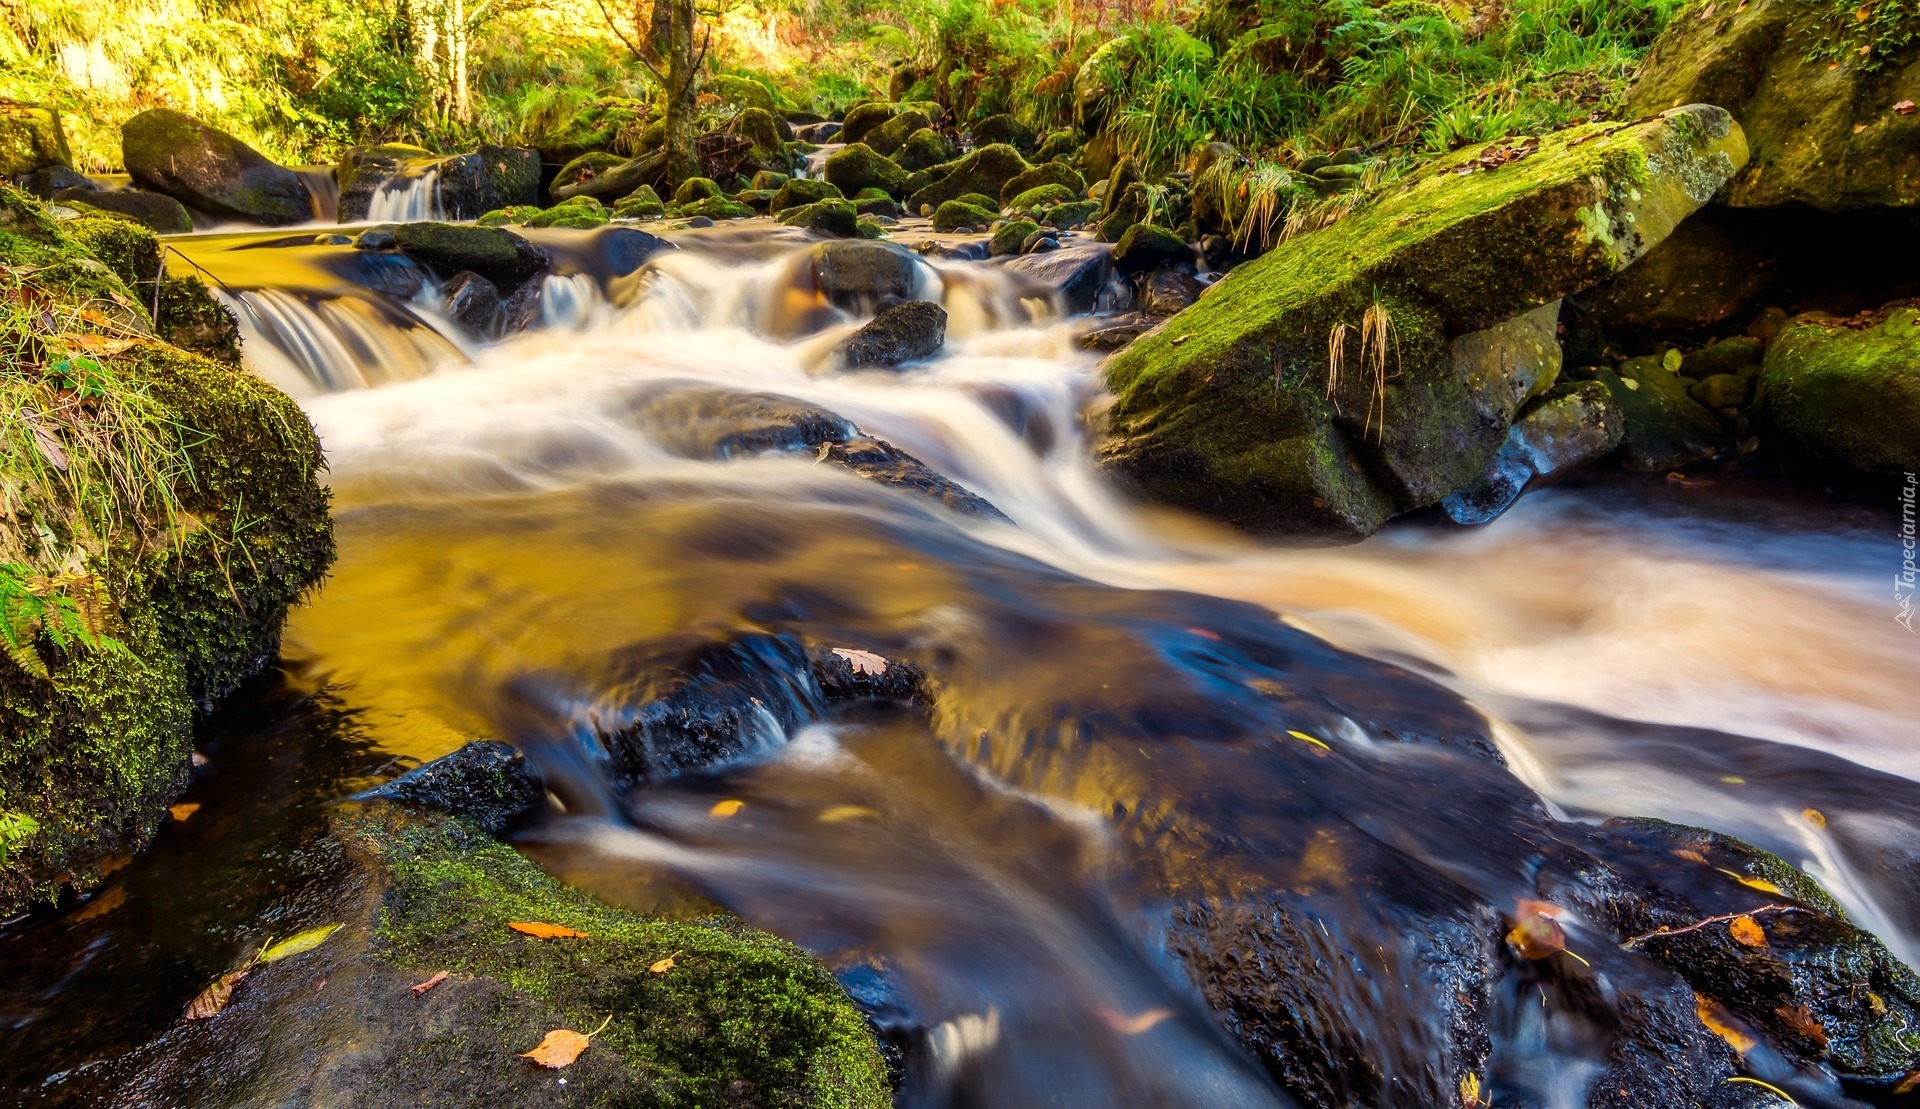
[1305, 738]
[1904, 107]
[1801, 1020]
[1814, 817]
[208, 1003]
[183, 810]
[1536, 934]
[103, 903]
[419, 988]
[863, 662]
[1470, 1093]
[100, 345]
[724, 809]
[562, 1046]
[1908, 1084]
[541, 931]
[1760, 884]
[663, 965]
[1747, 932]
[298, 944]
[1724, 1025]
[1671, 361]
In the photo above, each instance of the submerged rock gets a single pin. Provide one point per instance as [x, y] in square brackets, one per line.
[899, 334]
[1236, 408]
[485, 782]
[862, 277]
[496, 254]
[210, 171]
[1077, 273]
[1847, 392]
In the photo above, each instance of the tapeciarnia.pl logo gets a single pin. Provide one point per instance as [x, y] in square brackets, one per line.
[1903, 582]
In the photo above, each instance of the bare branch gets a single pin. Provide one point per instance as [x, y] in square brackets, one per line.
[1697, 925]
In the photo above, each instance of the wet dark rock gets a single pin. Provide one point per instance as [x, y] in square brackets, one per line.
[1114, 336]
[711, 706]
[488, 783]
[162, 214]
[465, 185]
[210, 171]
[376, 238]
[717, 423]
[494, 253]
[1168, 290]
[1040, 242]
[841, 681]
[1574, 424]
[1079, 273]
[386, 272]
[1665, 427]
[47, 182]
[899, 334]
[472, 302]
[863, 277]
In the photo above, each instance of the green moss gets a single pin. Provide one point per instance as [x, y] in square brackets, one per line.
[1041, 196]
[889, 137]
[738, 1006]
[857, 167]
[714, 207]
[828, 217]
[800, 191]
[1247, 366]
[694, 189]
[1065, 217]
[642, 203]
[1849, 395]
[923, 150]
[958, 213]
[1065, 179]
[501, 217]
[984, 171]
[1008, 237]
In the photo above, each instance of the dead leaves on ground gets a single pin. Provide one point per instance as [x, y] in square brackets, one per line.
[541, 931]
[209, 1002]
[1536, 932]
[663, 965]
[863, 662]
[419, 988]
[1747, 932]
[562, 1046]
[183, 810]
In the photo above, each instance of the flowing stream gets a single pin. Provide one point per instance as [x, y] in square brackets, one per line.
[1136, 709]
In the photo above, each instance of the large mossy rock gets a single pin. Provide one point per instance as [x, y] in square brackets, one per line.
[31, 138]
[1235, 407]
[210, 171]
[191, 572]
[889, 137]
[1848, 392]
[766, 149]
[160, 214]
[923, 150]
[857, 166]
[740, 1018]
[1818, 112]
[985, 171]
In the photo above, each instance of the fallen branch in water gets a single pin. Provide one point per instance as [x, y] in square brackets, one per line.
[1697, 925]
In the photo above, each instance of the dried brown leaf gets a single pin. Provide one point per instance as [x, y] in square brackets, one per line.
[662, 966]
[541, 931]
[208, 1003]
[419, 988]
[863, 662]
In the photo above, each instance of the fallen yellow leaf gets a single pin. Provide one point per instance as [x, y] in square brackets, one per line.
[726, 808]
[1721, 1023]
[541, 931]
[1304, 737]
[1814, 817]
[839, 813]
[1470, 1093]
[662, 966]
[298, 943]
[1747, 932]
[562, 1046]
[103, 903]
[183, 810]
[1760, 884]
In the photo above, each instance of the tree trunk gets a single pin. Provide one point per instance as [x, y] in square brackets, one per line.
[684, 57]
[457, 46]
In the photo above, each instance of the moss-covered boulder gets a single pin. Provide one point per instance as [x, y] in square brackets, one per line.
[889, 137]
[863, 118]
[148, 592]
[741, 92]
[801, 191]
[1060, 144]
[740, 1018]
[498, 255]
[1323, 387]
[766, 149]
[838, 218]
[956, 214]
[985, 171]
[923, 150]
[579, 212]
[31, 138]
[163, 215]
[210, 171]
[609, 181]
[1078, 213]
[1146, 247]
[1040, 199]
[1816, 88]
[1847, 392]
[185, 314]
[768, 180]
[696, 188]
[1665, 428]
[1046, 173]
[714, 208]
[1003, 129]
[856, 167]
[600, 125]
[642, 203]
[1010, 237]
